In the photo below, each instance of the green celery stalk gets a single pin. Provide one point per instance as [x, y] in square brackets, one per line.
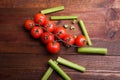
[70, 64]
[63, 17]
[50, 10]
[58, 69]
[48, 73]
[85, 32]
[92, 50]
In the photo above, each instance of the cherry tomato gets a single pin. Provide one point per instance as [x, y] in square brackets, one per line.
[36, 32]
[47, 37]
[69, 39]
[29, 24]
[40, 18]
[80, 40]
[53, 47]
[49, 26]
[60, 32]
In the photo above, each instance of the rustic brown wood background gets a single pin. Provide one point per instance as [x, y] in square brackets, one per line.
[24, 58]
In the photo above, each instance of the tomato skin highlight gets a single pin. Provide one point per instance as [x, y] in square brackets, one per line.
[40, 19]
[69, 39]
[36, 32]
[81, 41]
[53, 47]
[47, 37]
[29, 24]
[60, 32]
[49, 26]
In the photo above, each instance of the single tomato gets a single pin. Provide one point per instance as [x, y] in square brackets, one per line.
[60, 32]
[49, 26]
[47, 37]
[36, 32]
[40, 18]
[68, 39]
[53, 47]
[29, 24]
[80, 40]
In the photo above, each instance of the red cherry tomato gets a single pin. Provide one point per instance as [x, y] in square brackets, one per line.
[69, 39]
[53, 47]
[36, 32]
[40, 18]
[60, 32]
[80, 40]
[49, 26]
[47, 37]
[29, 24]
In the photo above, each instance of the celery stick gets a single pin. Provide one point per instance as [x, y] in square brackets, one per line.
[63, 17]
[58, 69]
[50, 10]
[48, 72]
[70, 64]
[85, 32]
[92, 50]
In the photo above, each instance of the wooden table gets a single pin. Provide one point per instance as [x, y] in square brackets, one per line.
[24, 58]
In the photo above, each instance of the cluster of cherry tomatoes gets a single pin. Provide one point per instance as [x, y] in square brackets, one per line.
[50, 34]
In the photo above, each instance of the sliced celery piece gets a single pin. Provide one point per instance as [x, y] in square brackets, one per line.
[63, 17]
[85, 32]
[70, 64]
[48, 72]
[58, 70]
[50, 10]
[92, 50]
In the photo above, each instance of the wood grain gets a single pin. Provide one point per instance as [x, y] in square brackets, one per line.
[23, 58]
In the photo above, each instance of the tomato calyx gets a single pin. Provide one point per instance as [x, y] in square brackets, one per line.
[68, 39]
[46, 37]
[81, 41]
[53, 42]
[58, 34]
[67, 43]
[39, 20]
[36, 30]
[31, 25]
[53, 47]
[84, 41]
[48, 25]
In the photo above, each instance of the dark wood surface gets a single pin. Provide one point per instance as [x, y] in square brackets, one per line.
[24, 58]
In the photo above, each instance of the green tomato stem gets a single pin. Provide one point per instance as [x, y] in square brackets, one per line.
[85, 32]
[58, 69]
[92, 50]
[63, 17]
[50, 10]
[70, 64]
